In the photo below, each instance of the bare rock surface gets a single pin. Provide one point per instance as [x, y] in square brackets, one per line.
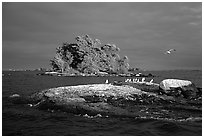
[179, 87]
[113, 100]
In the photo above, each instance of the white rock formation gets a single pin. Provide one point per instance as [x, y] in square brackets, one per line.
[167, 84]
[176, 86]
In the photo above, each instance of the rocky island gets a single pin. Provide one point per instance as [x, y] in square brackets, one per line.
[88, 56]
[137, 99]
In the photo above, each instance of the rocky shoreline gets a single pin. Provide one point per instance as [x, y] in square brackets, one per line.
[99, 74]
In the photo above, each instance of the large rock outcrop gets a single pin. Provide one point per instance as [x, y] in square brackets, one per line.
[113, 100]
[89, 56]
[178, 87]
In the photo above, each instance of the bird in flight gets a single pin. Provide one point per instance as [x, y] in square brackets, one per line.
[169, 51]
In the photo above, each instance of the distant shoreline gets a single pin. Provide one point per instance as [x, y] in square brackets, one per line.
[134, 71]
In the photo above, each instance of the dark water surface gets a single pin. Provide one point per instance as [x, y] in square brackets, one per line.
[20, 119]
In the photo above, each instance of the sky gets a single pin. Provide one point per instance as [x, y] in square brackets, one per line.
[143, 31]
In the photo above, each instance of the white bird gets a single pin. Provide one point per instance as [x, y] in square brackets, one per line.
[138, 80]
[138, 74]
[30, 105]
[134, 80]
[169, 51]
[151, 81]
[106, 82]
[143, 79]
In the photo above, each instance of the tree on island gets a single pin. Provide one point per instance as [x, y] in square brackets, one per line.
[89, 56]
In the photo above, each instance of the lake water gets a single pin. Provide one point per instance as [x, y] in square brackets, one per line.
[20, 119]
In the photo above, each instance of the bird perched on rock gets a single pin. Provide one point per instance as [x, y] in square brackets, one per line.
[134, 80]
[106, 82]
[169, 51]
[151, 81]
[143, 79]
[139, 74]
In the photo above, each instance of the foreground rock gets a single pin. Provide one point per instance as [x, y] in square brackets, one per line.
[177, 87]
[112, 100]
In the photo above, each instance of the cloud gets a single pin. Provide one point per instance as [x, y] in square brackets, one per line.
[194, 23]
[197, 9]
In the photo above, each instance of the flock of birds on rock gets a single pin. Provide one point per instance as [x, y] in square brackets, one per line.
[143, 80]
[136, 81]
